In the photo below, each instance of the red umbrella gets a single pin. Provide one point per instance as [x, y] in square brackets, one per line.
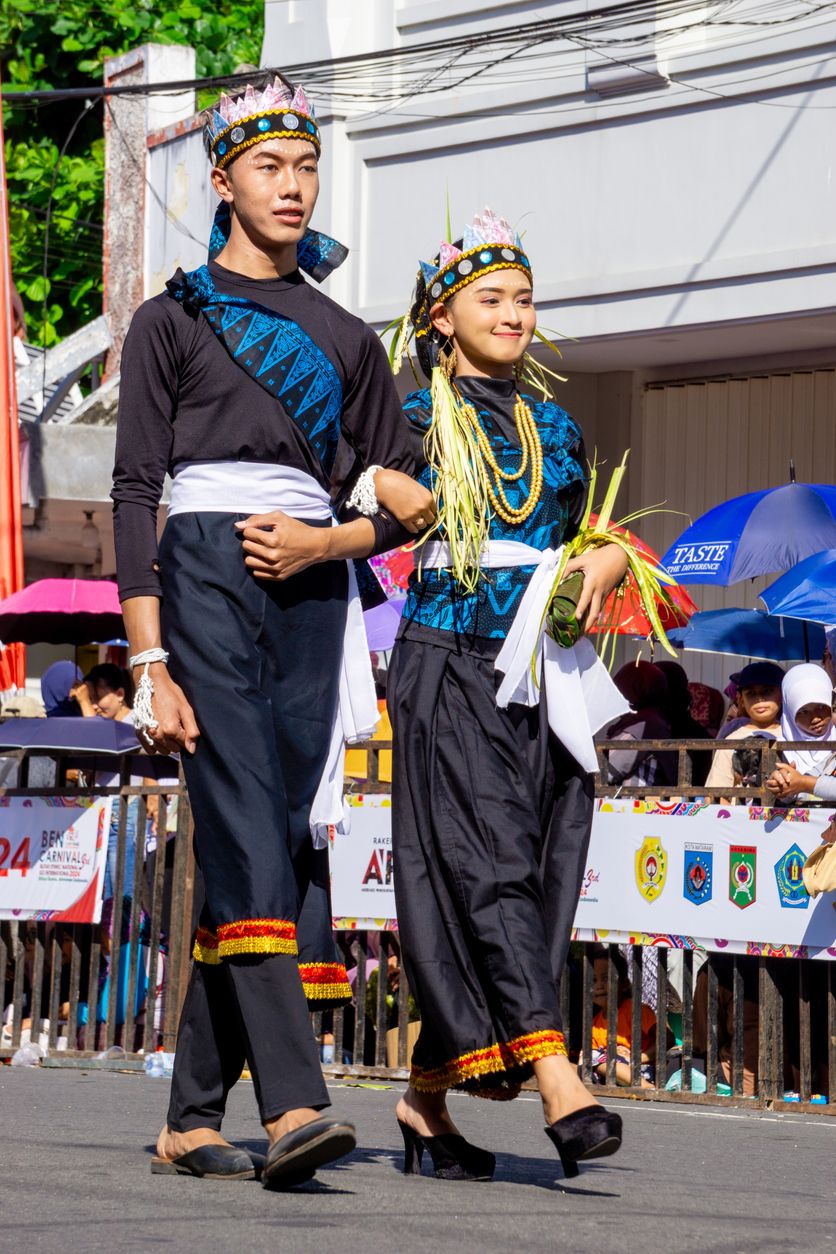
[62, 611]
[634, 621]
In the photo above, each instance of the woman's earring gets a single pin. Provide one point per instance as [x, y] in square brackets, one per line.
[447, 361]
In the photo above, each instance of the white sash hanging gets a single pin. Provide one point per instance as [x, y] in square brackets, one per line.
[581, 697]
[259, 488]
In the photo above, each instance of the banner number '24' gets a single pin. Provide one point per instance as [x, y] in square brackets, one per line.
[17, 861]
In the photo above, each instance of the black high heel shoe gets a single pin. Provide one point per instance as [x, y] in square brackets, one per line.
[591, 1132]
[453, 1157]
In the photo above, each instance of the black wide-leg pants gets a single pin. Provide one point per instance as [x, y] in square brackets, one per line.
[259, 663]
[491, 821]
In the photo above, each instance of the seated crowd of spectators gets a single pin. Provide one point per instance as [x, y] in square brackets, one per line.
[766, 703]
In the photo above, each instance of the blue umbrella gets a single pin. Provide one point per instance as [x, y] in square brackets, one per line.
[100, 735]
[807, 591]
[750, 633]
[760, 533]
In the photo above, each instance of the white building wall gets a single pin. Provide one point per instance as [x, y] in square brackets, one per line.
[645, 212]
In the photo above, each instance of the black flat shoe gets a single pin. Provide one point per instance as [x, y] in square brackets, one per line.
[453, 1157]
[295, 1157]
[208, 1162]
[588, 1133]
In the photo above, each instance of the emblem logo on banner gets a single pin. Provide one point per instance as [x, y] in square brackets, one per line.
[791, 891]
[699, 873]
[651, 866]
[742, 872]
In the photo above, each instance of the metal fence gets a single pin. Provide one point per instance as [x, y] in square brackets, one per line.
[754, 1027]
[79, 989]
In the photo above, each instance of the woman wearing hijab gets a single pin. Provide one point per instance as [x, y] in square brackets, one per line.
[708, 707]
[57, 682]
[646, 688]
[680, 715]
[807, 715]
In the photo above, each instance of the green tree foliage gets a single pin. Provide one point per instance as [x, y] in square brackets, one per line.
[64, 43]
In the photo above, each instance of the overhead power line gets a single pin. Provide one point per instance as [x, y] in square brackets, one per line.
[421, 66]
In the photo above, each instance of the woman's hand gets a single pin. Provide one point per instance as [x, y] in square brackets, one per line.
[786, 782]
[278, 546]
[80, 693]
[176, 726]
[406, 499]
[603, 570]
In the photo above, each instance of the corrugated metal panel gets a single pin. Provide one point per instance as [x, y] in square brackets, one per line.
[703, 442]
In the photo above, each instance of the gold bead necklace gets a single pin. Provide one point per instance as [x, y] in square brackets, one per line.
[532, 452]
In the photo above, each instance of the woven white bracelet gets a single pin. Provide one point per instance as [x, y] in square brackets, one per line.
[364, 497]
[148, 656]
[143, 709]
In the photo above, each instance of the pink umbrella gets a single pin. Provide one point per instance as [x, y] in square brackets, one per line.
[62, 611]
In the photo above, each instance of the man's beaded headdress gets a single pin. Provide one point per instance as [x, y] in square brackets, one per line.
[277, 112]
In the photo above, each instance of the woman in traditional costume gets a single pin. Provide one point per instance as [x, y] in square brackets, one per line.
[493, 789]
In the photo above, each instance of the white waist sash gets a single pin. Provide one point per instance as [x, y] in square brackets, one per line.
[258, 488]
[581, 697]
[246, 488]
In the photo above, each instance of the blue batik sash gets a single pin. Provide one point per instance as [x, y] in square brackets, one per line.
[317, 254]
[275, 352]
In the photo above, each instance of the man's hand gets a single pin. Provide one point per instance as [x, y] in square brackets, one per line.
[278, 546]
[408, 501]
[603, 569]
[176, 727]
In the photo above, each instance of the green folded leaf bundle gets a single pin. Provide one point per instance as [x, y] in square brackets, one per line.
[644, 575]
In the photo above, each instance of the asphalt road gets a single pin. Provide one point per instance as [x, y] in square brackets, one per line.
[74, 1176]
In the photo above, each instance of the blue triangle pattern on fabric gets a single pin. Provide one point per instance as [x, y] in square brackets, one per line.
[259, 328]
[241, 324]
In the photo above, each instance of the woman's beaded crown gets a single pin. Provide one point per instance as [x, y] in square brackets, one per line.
[488, 243]
[277, 112]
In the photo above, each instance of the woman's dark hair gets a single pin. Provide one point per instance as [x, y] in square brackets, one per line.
[428, 346]
[114, 677]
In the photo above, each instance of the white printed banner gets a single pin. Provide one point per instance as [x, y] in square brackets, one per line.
[52, 856]
[687, 875]
[362, 880]
[693, 875]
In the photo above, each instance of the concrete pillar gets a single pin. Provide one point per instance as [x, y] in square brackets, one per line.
[127, 122]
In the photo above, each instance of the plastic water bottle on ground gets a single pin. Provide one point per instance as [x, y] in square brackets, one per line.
[29, 1055]
[159, 1065]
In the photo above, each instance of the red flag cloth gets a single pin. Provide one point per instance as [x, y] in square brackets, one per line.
[12, 658]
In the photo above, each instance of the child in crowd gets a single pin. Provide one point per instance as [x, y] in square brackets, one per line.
[624, 1025]
[759, 686]
[807, 715]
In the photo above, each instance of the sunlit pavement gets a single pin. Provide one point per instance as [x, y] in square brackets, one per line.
[75, 1175]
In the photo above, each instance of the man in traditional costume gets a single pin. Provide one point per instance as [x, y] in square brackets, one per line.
[247, 385]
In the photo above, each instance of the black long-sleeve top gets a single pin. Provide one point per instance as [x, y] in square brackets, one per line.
[182, 398]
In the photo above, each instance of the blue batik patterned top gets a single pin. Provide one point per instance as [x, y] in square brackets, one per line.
[436, 609]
